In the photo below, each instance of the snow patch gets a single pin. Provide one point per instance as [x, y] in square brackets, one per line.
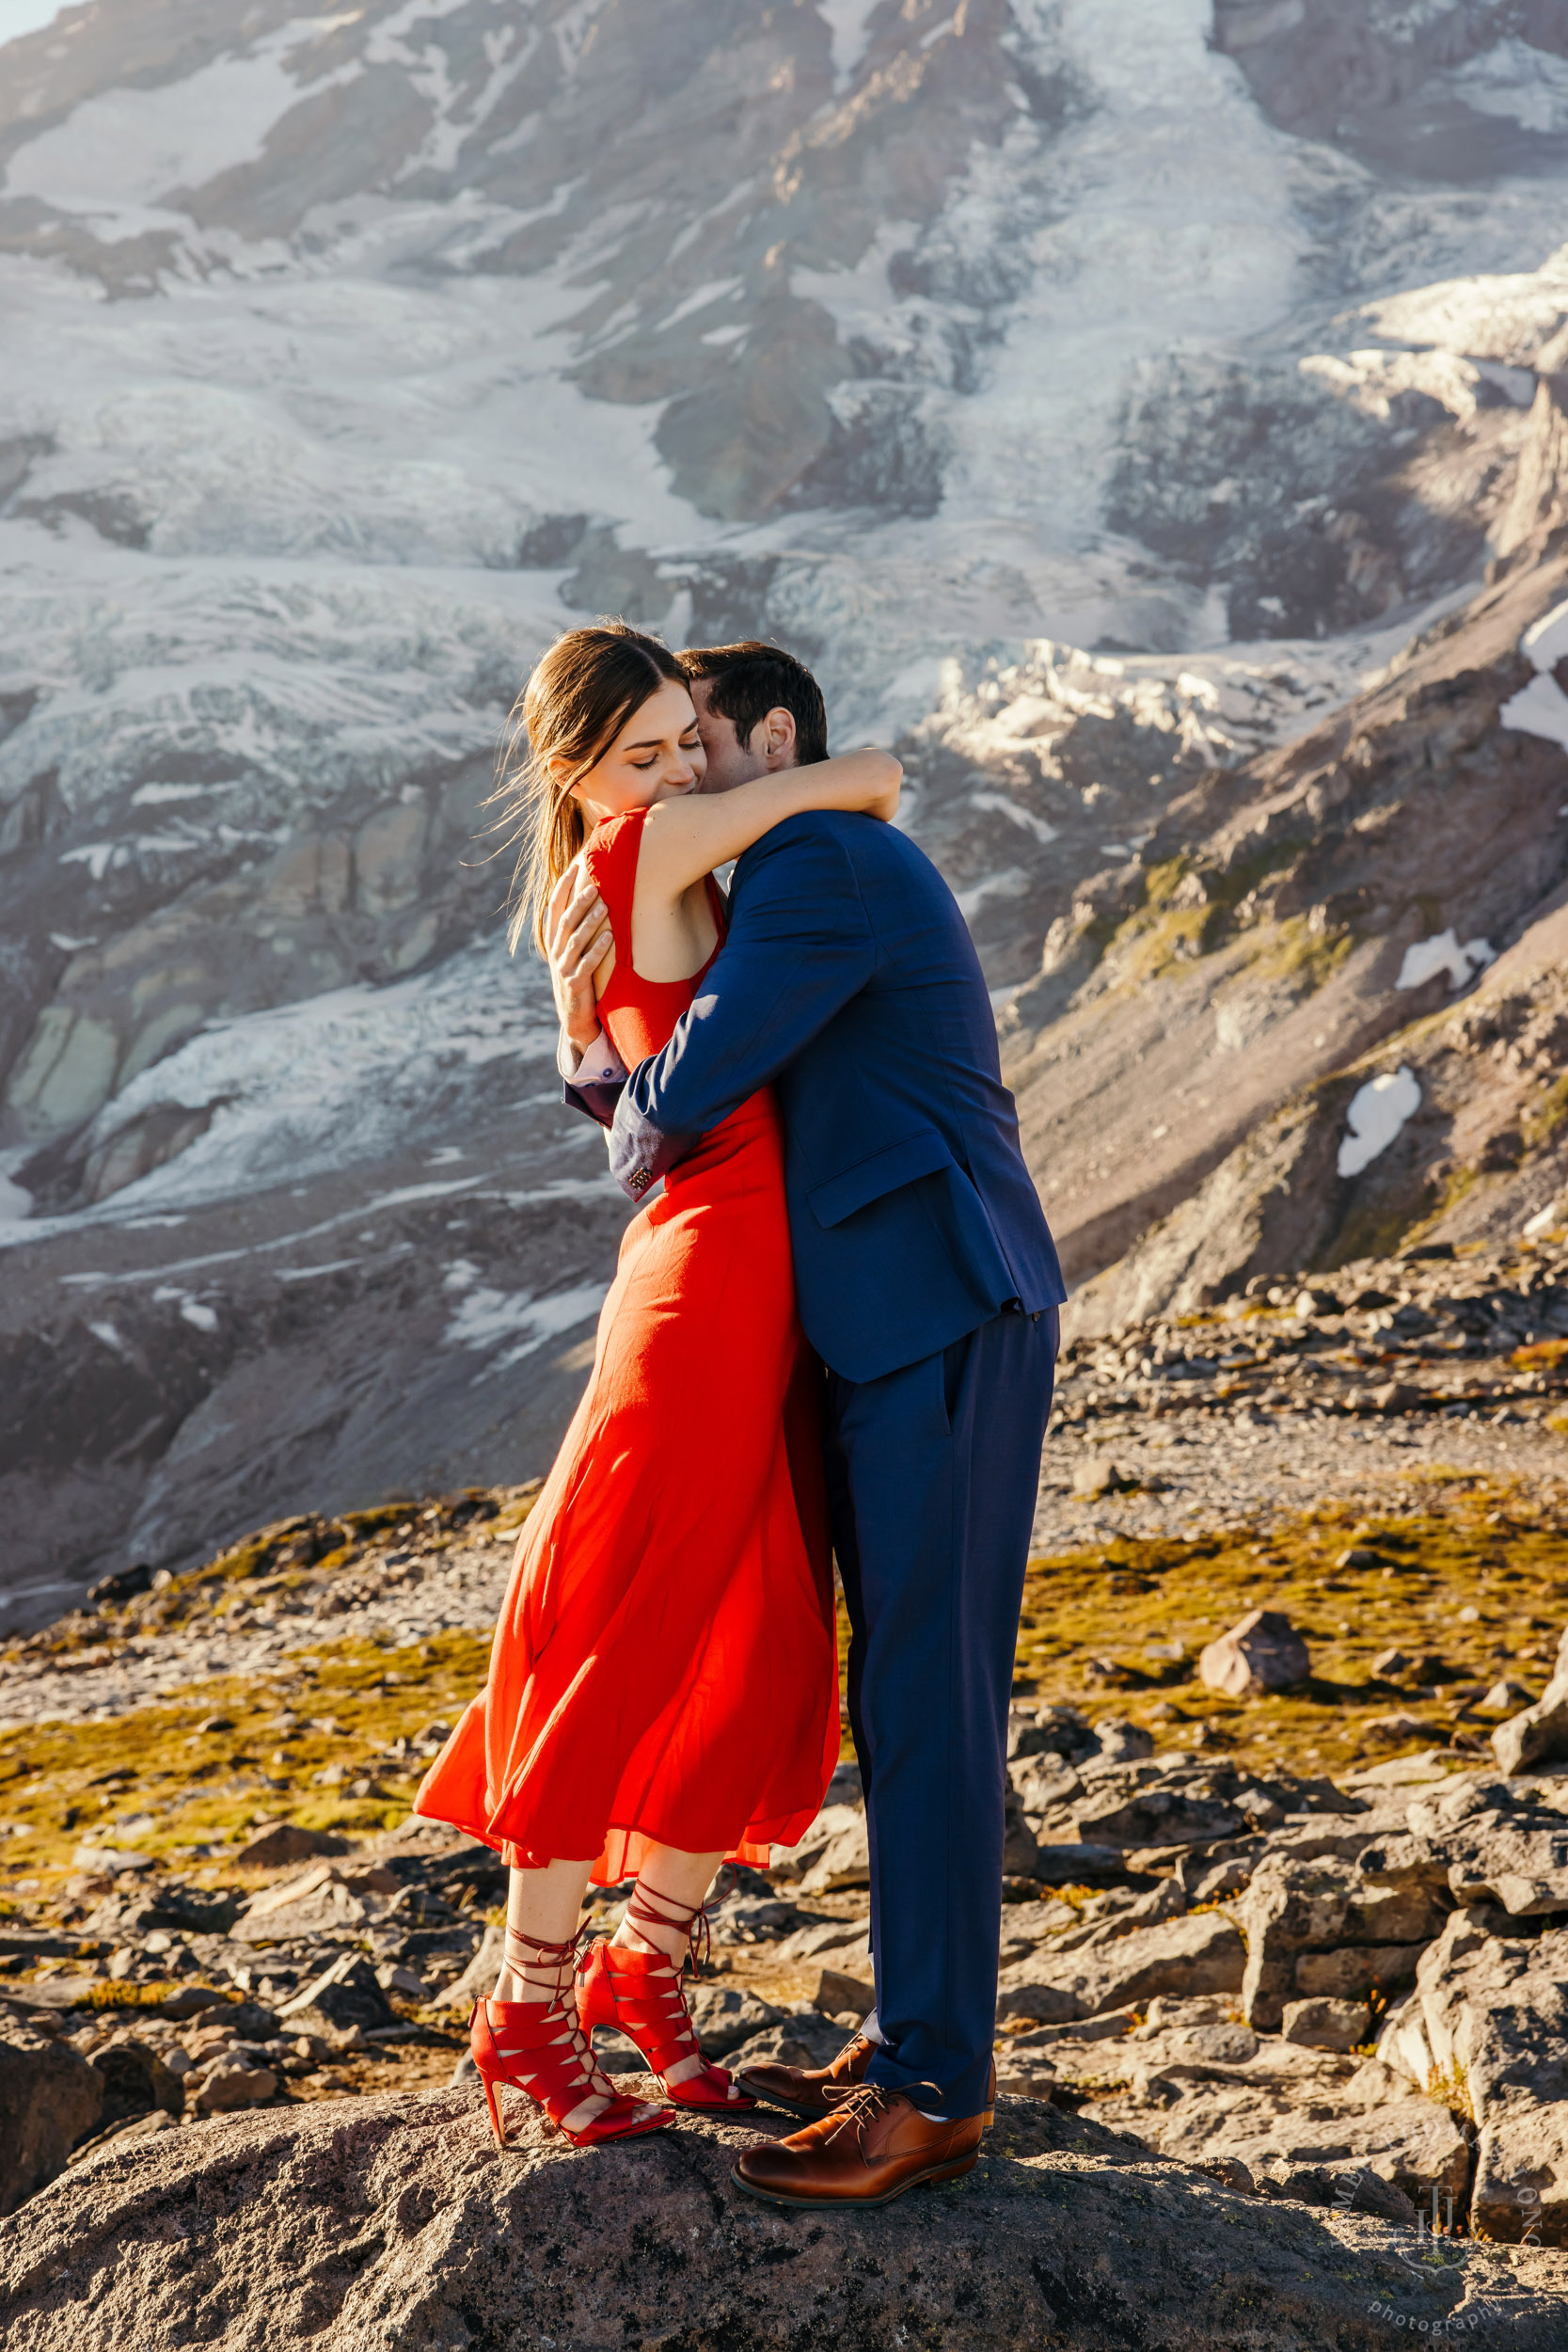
[1014, 881]
[1442, 953]
[1520, 84]
[999, 805]
[125, 150]
[1376, 1114]
[1542, 706]
[486, 1318]
[200, 1318]
[849, 23]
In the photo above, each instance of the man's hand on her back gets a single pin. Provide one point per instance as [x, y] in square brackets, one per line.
[577, 939]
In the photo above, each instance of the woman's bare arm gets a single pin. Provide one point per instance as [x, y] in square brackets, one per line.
[686, 838]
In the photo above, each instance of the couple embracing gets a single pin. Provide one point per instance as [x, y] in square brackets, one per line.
[832, 1333]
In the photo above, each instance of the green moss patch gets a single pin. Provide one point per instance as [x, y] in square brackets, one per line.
[1466, 1544]
[156, 1781]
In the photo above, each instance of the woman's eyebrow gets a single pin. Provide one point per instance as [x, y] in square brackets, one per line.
[653, 742]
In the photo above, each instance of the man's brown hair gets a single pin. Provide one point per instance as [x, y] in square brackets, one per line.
[746, 681]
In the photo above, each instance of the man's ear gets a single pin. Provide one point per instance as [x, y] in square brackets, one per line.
[778, 733]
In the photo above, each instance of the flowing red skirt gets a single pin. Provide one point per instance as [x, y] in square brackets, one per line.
[664, 1667]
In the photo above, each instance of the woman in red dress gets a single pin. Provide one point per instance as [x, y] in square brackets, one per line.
[663, 1686]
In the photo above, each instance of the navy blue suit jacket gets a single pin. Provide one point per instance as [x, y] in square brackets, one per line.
[847, 978]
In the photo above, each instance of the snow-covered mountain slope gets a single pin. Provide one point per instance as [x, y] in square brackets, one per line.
[1096, 391]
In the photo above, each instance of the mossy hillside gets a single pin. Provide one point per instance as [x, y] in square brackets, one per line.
[1468, 1567]
[156, 1779]
[164, 1782]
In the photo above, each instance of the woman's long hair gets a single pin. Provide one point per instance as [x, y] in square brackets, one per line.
[578, 698]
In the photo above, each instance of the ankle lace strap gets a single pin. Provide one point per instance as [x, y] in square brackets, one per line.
[642, 1910]
[528, 1951]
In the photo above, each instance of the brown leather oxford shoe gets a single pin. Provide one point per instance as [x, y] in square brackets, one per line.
[870, 2147]
[804, 2090]
[812, 2091]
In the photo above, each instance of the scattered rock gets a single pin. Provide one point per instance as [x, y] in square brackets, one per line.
[1354, 2189]
[724, 2018]
[283, 1842]
[49, 2097]
[1110, 1968]
[123, 1585]
[837, 1994]
[228, 2084]
[845, 1861]
[109, 1860]
[804, 2038]
[1293, 1908]
[1488, 2023]
[1391, 1730]
[342, 2004]
[1537, 1735]
[1099, 1475]
[135, 2081]
[793, 1862]
[478, 1980]
[327, 1897]
[1324, 2024]
[1262, 1651]
[1156, 1817]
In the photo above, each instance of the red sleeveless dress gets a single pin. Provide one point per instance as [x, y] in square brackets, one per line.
[665, 1666]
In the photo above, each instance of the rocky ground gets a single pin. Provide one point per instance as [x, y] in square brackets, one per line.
[1287, 1903]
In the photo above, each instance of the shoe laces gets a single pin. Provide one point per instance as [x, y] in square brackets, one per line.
[861, 2104]
[562, 2000]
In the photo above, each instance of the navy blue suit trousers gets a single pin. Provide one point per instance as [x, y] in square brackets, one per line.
[932, 1476]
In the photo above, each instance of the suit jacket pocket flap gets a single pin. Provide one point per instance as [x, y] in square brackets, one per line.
[838, 1197]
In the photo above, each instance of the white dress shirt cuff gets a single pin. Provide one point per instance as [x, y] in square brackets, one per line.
[598, 1065]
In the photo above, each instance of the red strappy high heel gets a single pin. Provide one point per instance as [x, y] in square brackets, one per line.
[640, 1994]
[540, 2049]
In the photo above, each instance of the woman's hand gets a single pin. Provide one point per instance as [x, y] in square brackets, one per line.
[577, 939]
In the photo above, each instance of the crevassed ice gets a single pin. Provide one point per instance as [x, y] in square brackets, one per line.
[1442, 953]
[1376, 1114]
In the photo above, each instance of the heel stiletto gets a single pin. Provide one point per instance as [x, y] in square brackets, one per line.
[639, 1993]
[539, 2048]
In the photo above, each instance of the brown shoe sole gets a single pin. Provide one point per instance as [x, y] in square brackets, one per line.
[814, 2115]
[771, 2099]
[856, 2204]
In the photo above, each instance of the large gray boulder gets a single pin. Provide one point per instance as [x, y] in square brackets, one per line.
[396, 2221]
[49, 2097]
[1487, 2027]
[1321, 1929]
[1262, 1651]
[1539, 1735]
[1110, 1967]
[1482, 1838]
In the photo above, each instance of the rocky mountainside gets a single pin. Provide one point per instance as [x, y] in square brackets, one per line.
[1185, 529]
[1281, 1992]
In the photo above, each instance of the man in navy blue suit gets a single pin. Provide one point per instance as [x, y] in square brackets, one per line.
[929, 1285]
